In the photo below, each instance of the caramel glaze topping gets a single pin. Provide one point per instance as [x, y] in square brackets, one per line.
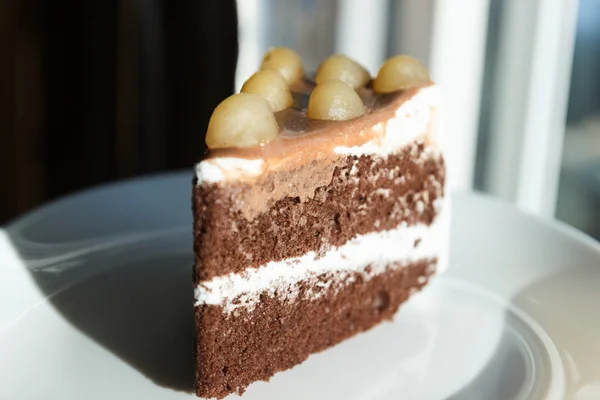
[301, 137]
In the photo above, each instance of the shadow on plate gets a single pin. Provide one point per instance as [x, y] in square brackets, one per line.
[139, 305]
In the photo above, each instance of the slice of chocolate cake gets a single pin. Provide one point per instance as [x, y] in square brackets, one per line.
[319, 208]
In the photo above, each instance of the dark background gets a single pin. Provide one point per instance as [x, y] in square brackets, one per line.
[93, 91]
[97, 90]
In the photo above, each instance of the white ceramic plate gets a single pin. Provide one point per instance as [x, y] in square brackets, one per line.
[96, 303]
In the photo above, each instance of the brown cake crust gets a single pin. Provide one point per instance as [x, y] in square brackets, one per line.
[238, 348]
[383, 193]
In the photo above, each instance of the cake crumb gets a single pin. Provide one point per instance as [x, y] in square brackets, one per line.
[383, 192]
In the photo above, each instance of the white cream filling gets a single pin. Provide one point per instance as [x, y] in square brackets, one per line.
[376, 250]
[411, 122]
[217, 169]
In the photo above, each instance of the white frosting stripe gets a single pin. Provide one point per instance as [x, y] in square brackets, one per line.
[376, 249]
[412, 121]
[216, 170]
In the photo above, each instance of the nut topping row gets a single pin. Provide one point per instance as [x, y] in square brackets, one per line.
[247, 119]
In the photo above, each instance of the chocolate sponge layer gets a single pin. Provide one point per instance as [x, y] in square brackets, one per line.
[365, 195]
[235, 349]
